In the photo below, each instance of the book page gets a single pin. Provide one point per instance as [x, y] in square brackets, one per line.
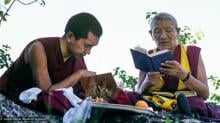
[159, 52]
[144, 51]
[140, 49]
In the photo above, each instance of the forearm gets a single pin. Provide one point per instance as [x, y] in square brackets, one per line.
[200, 83]
[68, 82]
[198, 86]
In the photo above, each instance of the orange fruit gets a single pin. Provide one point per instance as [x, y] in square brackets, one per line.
[141, 104]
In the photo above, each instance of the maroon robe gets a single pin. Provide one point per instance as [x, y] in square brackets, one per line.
[19, 76]
[170, 82]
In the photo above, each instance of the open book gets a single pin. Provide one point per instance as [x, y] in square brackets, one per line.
[149, 62]
[173, 95]
[101, 86]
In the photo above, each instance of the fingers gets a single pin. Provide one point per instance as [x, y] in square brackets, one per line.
[153, 74]
[172, 68]
[153, 77]
[169, 64]
[168, 69]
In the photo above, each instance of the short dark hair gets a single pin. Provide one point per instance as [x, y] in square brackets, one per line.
[163, 16]
[81, 24]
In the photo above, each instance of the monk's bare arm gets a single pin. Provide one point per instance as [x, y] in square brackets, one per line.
[199, 84]
[38, 61]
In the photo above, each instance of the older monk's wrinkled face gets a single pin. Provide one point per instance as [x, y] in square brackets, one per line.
[165, 34]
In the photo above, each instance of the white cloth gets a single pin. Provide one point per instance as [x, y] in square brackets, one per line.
[28, 95]
[31, 94]
[78, 114]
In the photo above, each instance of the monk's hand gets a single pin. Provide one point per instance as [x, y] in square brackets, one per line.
[173, 68]
[153, 78]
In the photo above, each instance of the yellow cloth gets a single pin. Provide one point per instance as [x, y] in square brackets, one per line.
[165, 102]
[162, 102]
[184, 63]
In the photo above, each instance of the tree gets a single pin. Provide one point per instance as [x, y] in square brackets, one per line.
[215, 81]
[5, 58]
[128, 81]
[4, 9]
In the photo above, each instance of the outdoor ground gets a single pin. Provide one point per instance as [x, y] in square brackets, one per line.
[11, 112]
